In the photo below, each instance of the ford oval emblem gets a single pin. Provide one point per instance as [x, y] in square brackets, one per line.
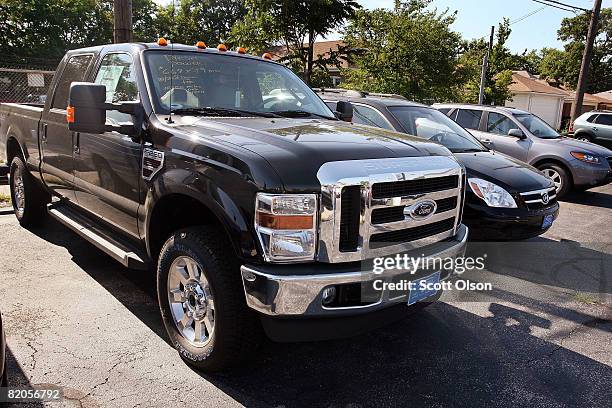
[421, 210]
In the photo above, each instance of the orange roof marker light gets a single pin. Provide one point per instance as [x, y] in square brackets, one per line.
[70, 114]
[222, 47]
[200, 44]
[267, 55]
[241, 50]
[162, 42]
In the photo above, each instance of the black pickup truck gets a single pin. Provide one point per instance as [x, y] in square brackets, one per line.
[226, 173]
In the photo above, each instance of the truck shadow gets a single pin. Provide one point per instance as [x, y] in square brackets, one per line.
[442, 356]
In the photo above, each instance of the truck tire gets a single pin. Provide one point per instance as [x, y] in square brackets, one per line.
[202, 301]
[559, 176]
[28, 197]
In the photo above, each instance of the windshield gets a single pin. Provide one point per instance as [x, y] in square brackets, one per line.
[537, 126]
[435, 126]
[209, 84]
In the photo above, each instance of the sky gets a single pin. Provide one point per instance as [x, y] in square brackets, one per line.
[475, 18]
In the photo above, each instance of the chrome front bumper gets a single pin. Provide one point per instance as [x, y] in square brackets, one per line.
[296, 290]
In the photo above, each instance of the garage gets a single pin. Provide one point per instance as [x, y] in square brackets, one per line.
[534, 95]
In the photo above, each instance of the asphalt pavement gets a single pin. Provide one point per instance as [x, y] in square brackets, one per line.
[542, 337]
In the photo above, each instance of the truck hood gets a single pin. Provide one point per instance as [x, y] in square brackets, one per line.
[578, 145]
[505, 171]
[296, 148]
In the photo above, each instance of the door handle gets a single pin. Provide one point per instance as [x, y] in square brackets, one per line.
[595, 129]
[77, 143]
[487, 141]
[43, 136]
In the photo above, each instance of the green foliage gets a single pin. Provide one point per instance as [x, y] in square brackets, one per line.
[501, 64]
[564, 66]
[210, 21]
[410, 51]
[47, 28]
[291, 24]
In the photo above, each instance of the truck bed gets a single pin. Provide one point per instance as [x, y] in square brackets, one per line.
[21, 122]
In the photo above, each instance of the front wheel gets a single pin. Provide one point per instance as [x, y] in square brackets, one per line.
[28, 197]
[559, 176]
[202, 300]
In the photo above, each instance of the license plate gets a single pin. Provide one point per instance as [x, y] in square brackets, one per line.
[423, 288]
[547, 221]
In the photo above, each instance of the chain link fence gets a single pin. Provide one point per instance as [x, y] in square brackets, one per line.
[25, 80]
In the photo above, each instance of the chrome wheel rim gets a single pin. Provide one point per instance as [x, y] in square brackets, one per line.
[18, 192]
[191, 301]
[555, 177]
[583, 139]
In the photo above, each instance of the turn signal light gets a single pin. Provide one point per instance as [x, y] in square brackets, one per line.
[222, 47]
[241, 50]
[70, 114]
[162, 42]
[285, 222]
[200, 44]
[267, 56]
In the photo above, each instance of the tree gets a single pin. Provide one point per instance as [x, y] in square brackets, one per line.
[410, 50]
[564, 65]
[210, 21]
[501, 64]
[293, 25]
[46, 29]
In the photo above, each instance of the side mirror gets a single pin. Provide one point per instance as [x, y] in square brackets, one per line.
[344, 111]
[518, 133]
[86, 111]
[87, 106]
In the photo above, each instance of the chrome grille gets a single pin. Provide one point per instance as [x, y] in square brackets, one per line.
[361, 202]
[536, 199]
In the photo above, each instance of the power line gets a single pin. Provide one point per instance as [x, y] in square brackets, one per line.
[568, 5]
[527, 15]
[571, 10]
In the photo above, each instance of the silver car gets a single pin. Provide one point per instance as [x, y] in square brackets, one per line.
[568, 162]
[592, 126]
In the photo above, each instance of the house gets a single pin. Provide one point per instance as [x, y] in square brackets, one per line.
[606, 100]
[589, 103]
[534, 95]
[323, 49]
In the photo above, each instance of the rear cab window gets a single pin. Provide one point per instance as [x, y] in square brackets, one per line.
[74, 71]
[469, 118]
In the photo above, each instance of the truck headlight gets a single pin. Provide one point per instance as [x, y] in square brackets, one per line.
[286, 226]
[492, 194]
[586, 157]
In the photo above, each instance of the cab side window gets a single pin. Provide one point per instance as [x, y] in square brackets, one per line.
[469, 118]
[368, 116]
[74, 71]
[117, 74]
[499, 124]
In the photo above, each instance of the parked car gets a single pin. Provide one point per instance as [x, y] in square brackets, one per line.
[3, 370]
[568, 162]
[593, 126]
[251, 214]
[506, 199]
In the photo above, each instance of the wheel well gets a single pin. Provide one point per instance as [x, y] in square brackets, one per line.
[555, 162]
[174, 212]
[12, 150]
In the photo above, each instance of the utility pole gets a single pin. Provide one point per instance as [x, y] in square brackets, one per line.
[485, 67]
[122, 16]
[586, 61]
